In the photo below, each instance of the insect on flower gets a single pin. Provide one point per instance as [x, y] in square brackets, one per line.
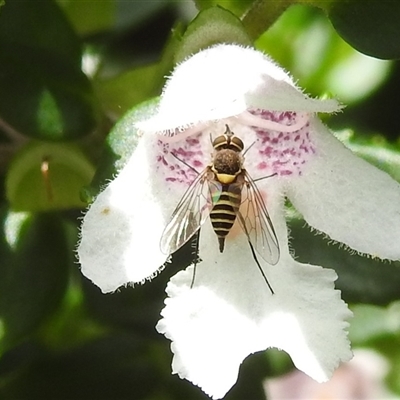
[225, 192]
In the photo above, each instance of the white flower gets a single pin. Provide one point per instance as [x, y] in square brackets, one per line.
[229, 312]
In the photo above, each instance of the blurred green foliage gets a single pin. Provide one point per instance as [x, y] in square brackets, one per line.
[69, 70]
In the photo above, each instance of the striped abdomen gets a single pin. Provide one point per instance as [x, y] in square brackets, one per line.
[223, 214]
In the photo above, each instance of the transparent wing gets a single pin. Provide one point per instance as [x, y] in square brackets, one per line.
[254, 219]
[190, 213]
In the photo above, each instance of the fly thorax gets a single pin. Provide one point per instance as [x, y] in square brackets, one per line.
[227, 164]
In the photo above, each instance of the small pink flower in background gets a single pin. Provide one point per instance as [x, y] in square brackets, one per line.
[362, 378]
[230, 313]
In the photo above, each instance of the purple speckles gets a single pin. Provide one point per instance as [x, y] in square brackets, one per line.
[192, 141]
[164, 146]
[275, 143]
[198, 164]
[284, 153]
[184, 154]
[266, 151]
[173, 159]
[161, 159]
[283, 117]
[262, 165]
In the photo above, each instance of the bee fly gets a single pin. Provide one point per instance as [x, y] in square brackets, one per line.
[225, 192]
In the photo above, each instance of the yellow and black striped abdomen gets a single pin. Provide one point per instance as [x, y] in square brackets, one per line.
[223, 214]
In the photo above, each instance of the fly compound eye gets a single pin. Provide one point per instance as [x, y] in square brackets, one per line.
[219, 142]
[237, 143]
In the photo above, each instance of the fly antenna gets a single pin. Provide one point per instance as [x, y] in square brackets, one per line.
[228, 131]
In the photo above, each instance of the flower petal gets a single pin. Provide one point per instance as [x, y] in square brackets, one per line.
[347, 198]
[120, 234]
[230, 313]
[224, 81]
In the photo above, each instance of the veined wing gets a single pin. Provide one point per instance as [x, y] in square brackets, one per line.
[254, 219]
[190, 213]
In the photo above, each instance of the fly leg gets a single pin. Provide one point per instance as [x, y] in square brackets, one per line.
[195, 253]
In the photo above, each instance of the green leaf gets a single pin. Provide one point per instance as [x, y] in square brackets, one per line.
[89, 17]
[22, 24]
[33, 274]
[44, 92]
[47, 176]
[372, 323]
[113, 93]
[238, 7]
[372, 27]
[120, 93]
[115, 367]
[131, 14]
[94, 17]
[390, 348]
[120, 144]
[304, 42]
[376, 150]
[262, 15]
[361, 279]
[211, 26]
